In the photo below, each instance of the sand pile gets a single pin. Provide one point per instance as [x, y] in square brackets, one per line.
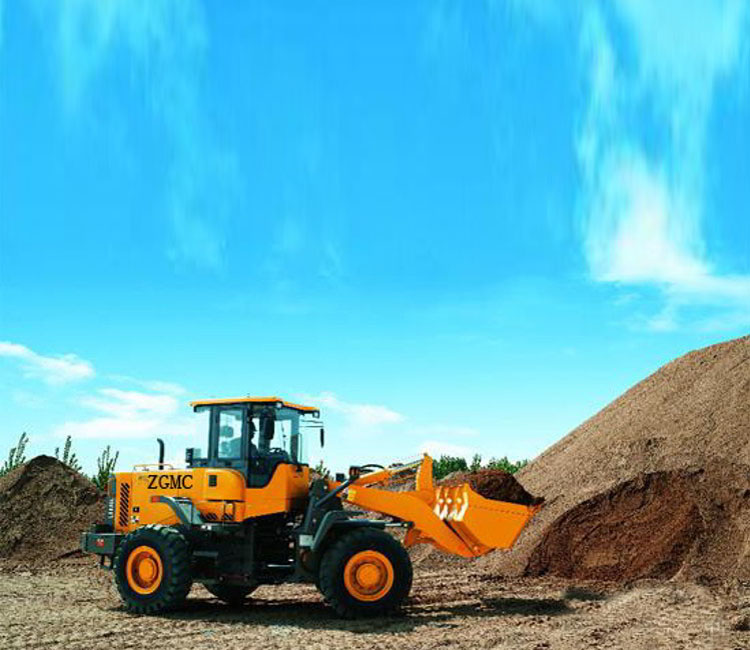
[656, 484]
[642, 528]
[44, 507]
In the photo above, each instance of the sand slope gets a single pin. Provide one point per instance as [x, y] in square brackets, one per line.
[688, 425]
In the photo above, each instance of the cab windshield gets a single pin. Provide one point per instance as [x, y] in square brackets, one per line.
[278, 434]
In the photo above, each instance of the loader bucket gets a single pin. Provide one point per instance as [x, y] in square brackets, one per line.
[454, 519]
[483, 524]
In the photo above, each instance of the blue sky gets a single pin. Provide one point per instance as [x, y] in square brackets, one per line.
[455, 226]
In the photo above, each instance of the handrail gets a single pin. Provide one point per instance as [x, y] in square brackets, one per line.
[145, 466]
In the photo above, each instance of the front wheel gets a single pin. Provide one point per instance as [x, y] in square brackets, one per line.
[365, 573]
[152, 569]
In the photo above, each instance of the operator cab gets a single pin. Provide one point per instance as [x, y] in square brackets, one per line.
[253, 435]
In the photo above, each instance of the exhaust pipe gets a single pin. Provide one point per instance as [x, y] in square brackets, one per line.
[161, 453]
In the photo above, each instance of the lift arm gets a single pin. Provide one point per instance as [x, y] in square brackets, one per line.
[456, 519]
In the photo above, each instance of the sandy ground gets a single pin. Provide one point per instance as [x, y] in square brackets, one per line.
[79, 608]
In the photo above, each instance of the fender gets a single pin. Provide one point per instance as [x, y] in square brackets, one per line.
[184, 509]
[340, 519]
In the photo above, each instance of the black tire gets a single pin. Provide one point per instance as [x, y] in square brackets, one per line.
[333, 565]
[175, 578]
[231, 594]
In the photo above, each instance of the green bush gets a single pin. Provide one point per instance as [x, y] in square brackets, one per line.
[506, 465]
[448, 464]
[68, 457]
[105, 465]
[16, 456]
[321, 471]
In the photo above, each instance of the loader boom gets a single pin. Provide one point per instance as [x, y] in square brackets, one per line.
[456, 519]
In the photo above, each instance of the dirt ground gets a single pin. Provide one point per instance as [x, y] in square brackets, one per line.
[77, 607]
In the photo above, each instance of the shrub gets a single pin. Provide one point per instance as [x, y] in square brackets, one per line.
[506, 465]
[321, 471]
[68, 457]
[16, 456]
[447, 465]
[105, 465]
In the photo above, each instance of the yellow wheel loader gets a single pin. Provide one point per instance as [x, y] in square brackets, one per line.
[248, 512]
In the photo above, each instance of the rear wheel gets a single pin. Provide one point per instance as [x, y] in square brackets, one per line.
[152, 569]
[231, 594]
[365, 573]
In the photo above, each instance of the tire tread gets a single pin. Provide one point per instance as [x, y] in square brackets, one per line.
[179, 581]
[345, 546]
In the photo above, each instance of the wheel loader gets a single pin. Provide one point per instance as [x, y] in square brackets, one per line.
[250, 512]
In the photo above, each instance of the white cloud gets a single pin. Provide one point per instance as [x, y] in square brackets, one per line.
[109, 428]
[129, 414]
[634, 236]
[58, 369]
[130, 403]
[364, 415]
[437, 448]
[153, 385]
[643, 195]
[164, 45]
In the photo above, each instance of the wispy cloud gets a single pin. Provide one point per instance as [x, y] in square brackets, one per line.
[643, 191]
[130, 403]
[154, 385]
[448, 440]
[57, 369]
[164, 46]
[363, 415]
[437, 448]
[128, 414]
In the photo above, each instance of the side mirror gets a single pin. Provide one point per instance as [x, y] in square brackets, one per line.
[189, 452]
[322, 437]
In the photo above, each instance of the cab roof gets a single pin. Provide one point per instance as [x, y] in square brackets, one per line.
[255, 400]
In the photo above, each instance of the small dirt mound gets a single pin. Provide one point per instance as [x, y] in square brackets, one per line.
[44, 507]
[495, 484]
[643, 528]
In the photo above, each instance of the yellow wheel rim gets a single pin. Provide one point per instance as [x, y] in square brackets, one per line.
[368, 576]
[144, 570]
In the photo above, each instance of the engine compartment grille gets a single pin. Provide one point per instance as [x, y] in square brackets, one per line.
[124, 505]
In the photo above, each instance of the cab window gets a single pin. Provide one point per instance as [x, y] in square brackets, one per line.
[230, 433]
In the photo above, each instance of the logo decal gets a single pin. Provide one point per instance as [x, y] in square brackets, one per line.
[170, 481]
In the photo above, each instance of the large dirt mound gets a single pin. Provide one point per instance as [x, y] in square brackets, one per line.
[626, 486]
[44, 507]
[641, 528]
